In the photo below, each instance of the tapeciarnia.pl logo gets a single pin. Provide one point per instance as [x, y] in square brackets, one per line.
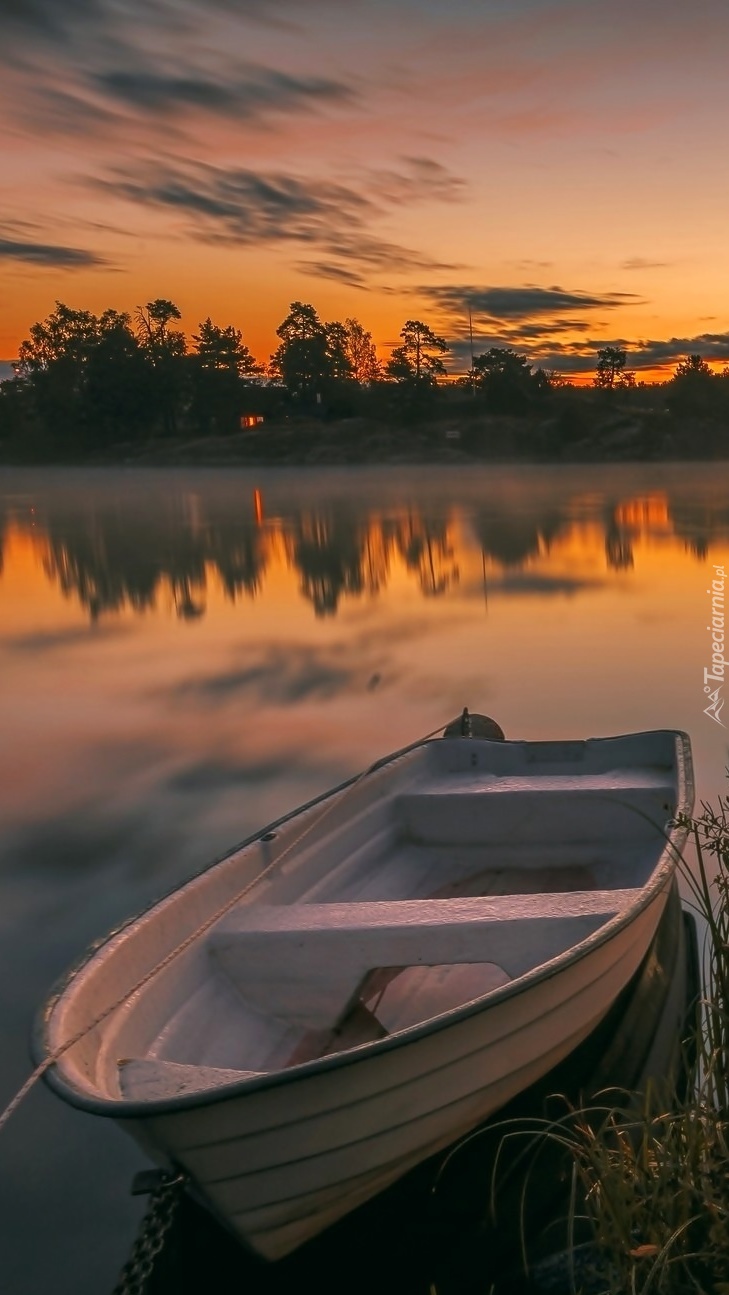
[716, 629]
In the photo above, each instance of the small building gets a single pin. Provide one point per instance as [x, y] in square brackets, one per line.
[250, 420]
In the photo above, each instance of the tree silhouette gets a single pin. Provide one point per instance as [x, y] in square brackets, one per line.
[505, 378]
[66, 335]
[610, 364]
[223, 350]
[303, 360]
[220, 369]
[154, 332]
[340, 369]
[693, 367]
[693, 387]
[359, 349]
[165, 348]
[118, 380]
[85, 376]
[418, 359]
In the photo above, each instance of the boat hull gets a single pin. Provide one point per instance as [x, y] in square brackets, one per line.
[214, 1027]
[281, 1163]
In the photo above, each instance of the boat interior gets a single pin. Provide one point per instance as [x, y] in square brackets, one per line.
[435, 880]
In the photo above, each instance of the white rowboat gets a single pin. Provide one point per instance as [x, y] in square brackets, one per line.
[371, 977]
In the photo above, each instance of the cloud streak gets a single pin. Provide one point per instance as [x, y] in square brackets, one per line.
[580, 356]
[642, 263]
[524, 302]
[48, 255]
[711, 346]
[245, 94]
[319, 139]
[525, 317]
[243, 207]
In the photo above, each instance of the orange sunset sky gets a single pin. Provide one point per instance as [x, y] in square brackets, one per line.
[559, 168]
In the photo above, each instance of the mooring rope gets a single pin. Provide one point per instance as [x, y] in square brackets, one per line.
[204, 926]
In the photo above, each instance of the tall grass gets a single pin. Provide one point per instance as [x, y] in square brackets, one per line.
[650, 1174]
[709, 887]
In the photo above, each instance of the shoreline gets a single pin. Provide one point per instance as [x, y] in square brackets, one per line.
[619, 436]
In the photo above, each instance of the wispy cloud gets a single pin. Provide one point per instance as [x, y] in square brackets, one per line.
[520, 303]
[78, 24]
[344, 274]
[244, 207]
[241, 205]
[712, 346]
[515, 321]
[47, 255]
[34, 20]
[301, 674]
[136, 104]
[642, 263]
[420, 178]
[245, 93]
[525, 317]
[72, 636]
[322, 135]
[579, 355]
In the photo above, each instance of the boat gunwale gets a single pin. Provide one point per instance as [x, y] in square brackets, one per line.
[133, 1109]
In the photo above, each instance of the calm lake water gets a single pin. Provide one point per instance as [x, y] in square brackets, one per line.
[187, 654]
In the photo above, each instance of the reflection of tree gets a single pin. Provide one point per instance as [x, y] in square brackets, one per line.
[103, 563]
[115, 558]
[114, 553]
[626, 519]
[698, 524]
[699, 547]
[552, 525]
[618, 549]
[238, 549]
[511, 539]
[187, 606]
[334, 554]
[427, 550]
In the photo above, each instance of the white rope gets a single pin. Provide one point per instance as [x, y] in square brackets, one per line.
[65, 1047]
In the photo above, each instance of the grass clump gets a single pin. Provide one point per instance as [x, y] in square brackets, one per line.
[650, 1174]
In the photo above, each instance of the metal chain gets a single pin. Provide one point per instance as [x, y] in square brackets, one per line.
[150, 1239]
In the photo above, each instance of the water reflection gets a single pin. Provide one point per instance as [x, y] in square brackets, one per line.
[115, 554]
[187, 655]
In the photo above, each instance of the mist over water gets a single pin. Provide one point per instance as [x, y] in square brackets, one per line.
[186, 655]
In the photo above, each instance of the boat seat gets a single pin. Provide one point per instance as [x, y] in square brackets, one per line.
[465, 909]
[149, 1079]
[303, 961]
[482, 808]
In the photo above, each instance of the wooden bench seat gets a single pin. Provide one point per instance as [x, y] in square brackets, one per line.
[304, 961]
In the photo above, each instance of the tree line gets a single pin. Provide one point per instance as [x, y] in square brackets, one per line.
[84, 381]
[694, 387]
